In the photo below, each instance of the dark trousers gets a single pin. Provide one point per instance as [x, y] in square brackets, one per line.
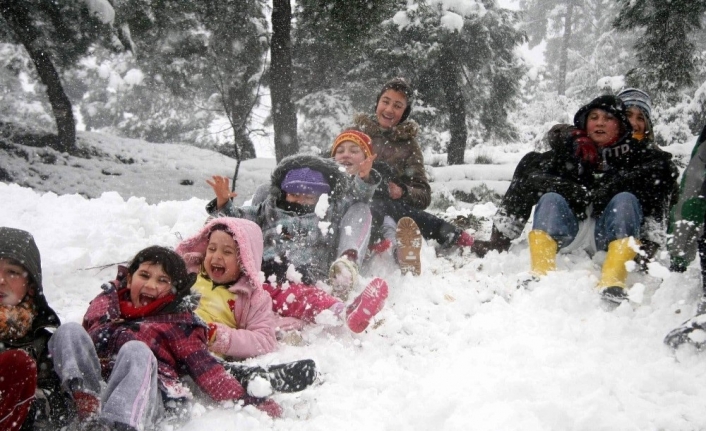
[431, 226]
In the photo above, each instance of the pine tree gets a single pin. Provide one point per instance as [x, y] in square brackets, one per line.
[333, 73]
[666, 49]
[210, 52]
[463, 64]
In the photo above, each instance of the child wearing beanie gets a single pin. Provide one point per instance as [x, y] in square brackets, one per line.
[639, 112]
[315, 218]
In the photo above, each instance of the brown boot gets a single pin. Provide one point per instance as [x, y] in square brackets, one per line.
[409, 246]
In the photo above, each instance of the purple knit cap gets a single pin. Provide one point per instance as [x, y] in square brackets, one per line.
[305, 181]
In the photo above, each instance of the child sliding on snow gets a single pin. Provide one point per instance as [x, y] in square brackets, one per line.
[234, 305]
[142, 336]
[315, 218]
[227, 251]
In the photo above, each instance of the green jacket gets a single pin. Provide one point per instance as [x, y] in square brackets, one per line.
[686, 222]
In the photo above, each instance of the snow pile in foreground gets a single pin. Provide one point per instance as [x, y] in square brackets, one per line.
[460, 347]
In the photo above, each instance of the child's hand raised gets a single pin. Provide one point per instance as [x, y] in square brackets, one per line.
[221, 187]
[365, 166]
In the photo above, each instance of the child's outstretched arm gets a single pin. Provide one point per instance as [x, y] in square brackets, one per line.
[223, 206]
[212, 378]
[221, 187]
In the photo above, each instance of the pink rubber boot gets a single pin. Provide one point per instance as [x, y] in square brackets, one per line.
[366, 305]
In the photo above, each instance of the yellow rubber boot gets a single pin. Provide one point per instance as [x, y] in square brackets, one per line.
[542, 252]
[614, 272]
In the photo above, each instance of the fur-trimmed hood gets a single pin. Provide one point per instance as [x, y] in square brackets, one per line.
[246, 234]
[403, 131]
[333, 174]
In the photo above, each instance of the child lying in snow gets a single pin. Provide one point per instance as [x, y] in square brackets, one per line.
[226, 252]
[142, 336]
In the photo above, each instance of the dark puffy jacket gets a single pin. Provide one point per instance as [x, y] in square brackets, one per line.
[51, 407]
[626, 166]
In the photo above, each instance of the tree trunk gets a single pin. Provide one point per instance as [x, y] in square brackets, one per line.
[284, 116]
[564, 60]
[240, 112]
[450, 74]
[18, 19]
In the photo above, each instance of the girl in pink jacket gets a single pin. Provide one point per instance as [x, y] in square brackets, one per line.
[228, 252]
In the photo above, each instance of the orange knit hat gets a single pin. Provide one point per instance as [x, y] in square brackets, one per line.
[357, 137]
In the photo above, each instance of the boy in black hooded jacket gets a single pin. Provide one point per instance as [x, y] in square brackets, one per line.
[31, 394]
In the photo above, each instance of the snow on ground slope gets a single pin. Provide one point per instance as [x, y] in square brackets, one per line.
[130, 167]
[460, 347]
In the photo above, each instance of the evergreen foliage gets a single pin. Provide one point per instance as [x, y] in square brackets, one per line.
[666, 51]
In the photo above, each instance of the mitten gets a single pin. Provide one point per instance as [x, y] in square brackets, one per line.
[267, 405]
[583, 147]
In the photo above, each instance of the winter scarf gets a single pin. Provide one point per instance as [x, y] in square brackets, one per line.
[129, 311]
[19, 245]
[16, 321]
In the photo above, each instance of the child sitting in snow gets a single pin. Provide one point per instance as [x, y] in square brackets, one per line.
[30, 389]
[226, 256]
[141, 335]
[228, 251]
[315, 218]
[353, 149]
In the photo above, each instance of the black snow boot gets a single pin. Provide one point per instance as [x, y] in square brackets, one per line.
[290, 377]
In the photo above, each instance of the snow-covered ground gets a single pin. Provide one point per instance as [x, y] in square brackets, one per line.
[461, 347]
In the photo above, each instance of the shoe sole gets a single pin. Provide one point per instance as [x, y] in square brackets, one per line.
[614, 299]
[409, 246]
[374, 297]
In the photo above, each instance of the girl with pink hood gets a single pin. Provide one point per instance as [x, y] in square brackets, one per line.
[227, 252]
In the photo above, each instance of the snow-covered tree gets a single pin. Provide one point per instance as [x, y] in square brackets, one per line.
[210, 52]
[666, 50]
[581, 44]
[461, 55]
[55, 35]
[333, 73]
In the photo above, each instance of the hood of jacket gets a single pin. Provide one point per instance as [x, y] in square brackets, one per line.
[333, 174]
[19, 245]
[246, 234]
[611, 104]
[403, 131]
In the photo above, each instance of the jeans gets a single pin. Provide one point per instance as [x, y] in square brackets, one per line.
[132, 395]
[621, 219]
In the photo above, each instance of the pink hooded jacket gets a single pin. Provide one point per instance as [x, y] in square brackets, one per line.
[255, 334]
